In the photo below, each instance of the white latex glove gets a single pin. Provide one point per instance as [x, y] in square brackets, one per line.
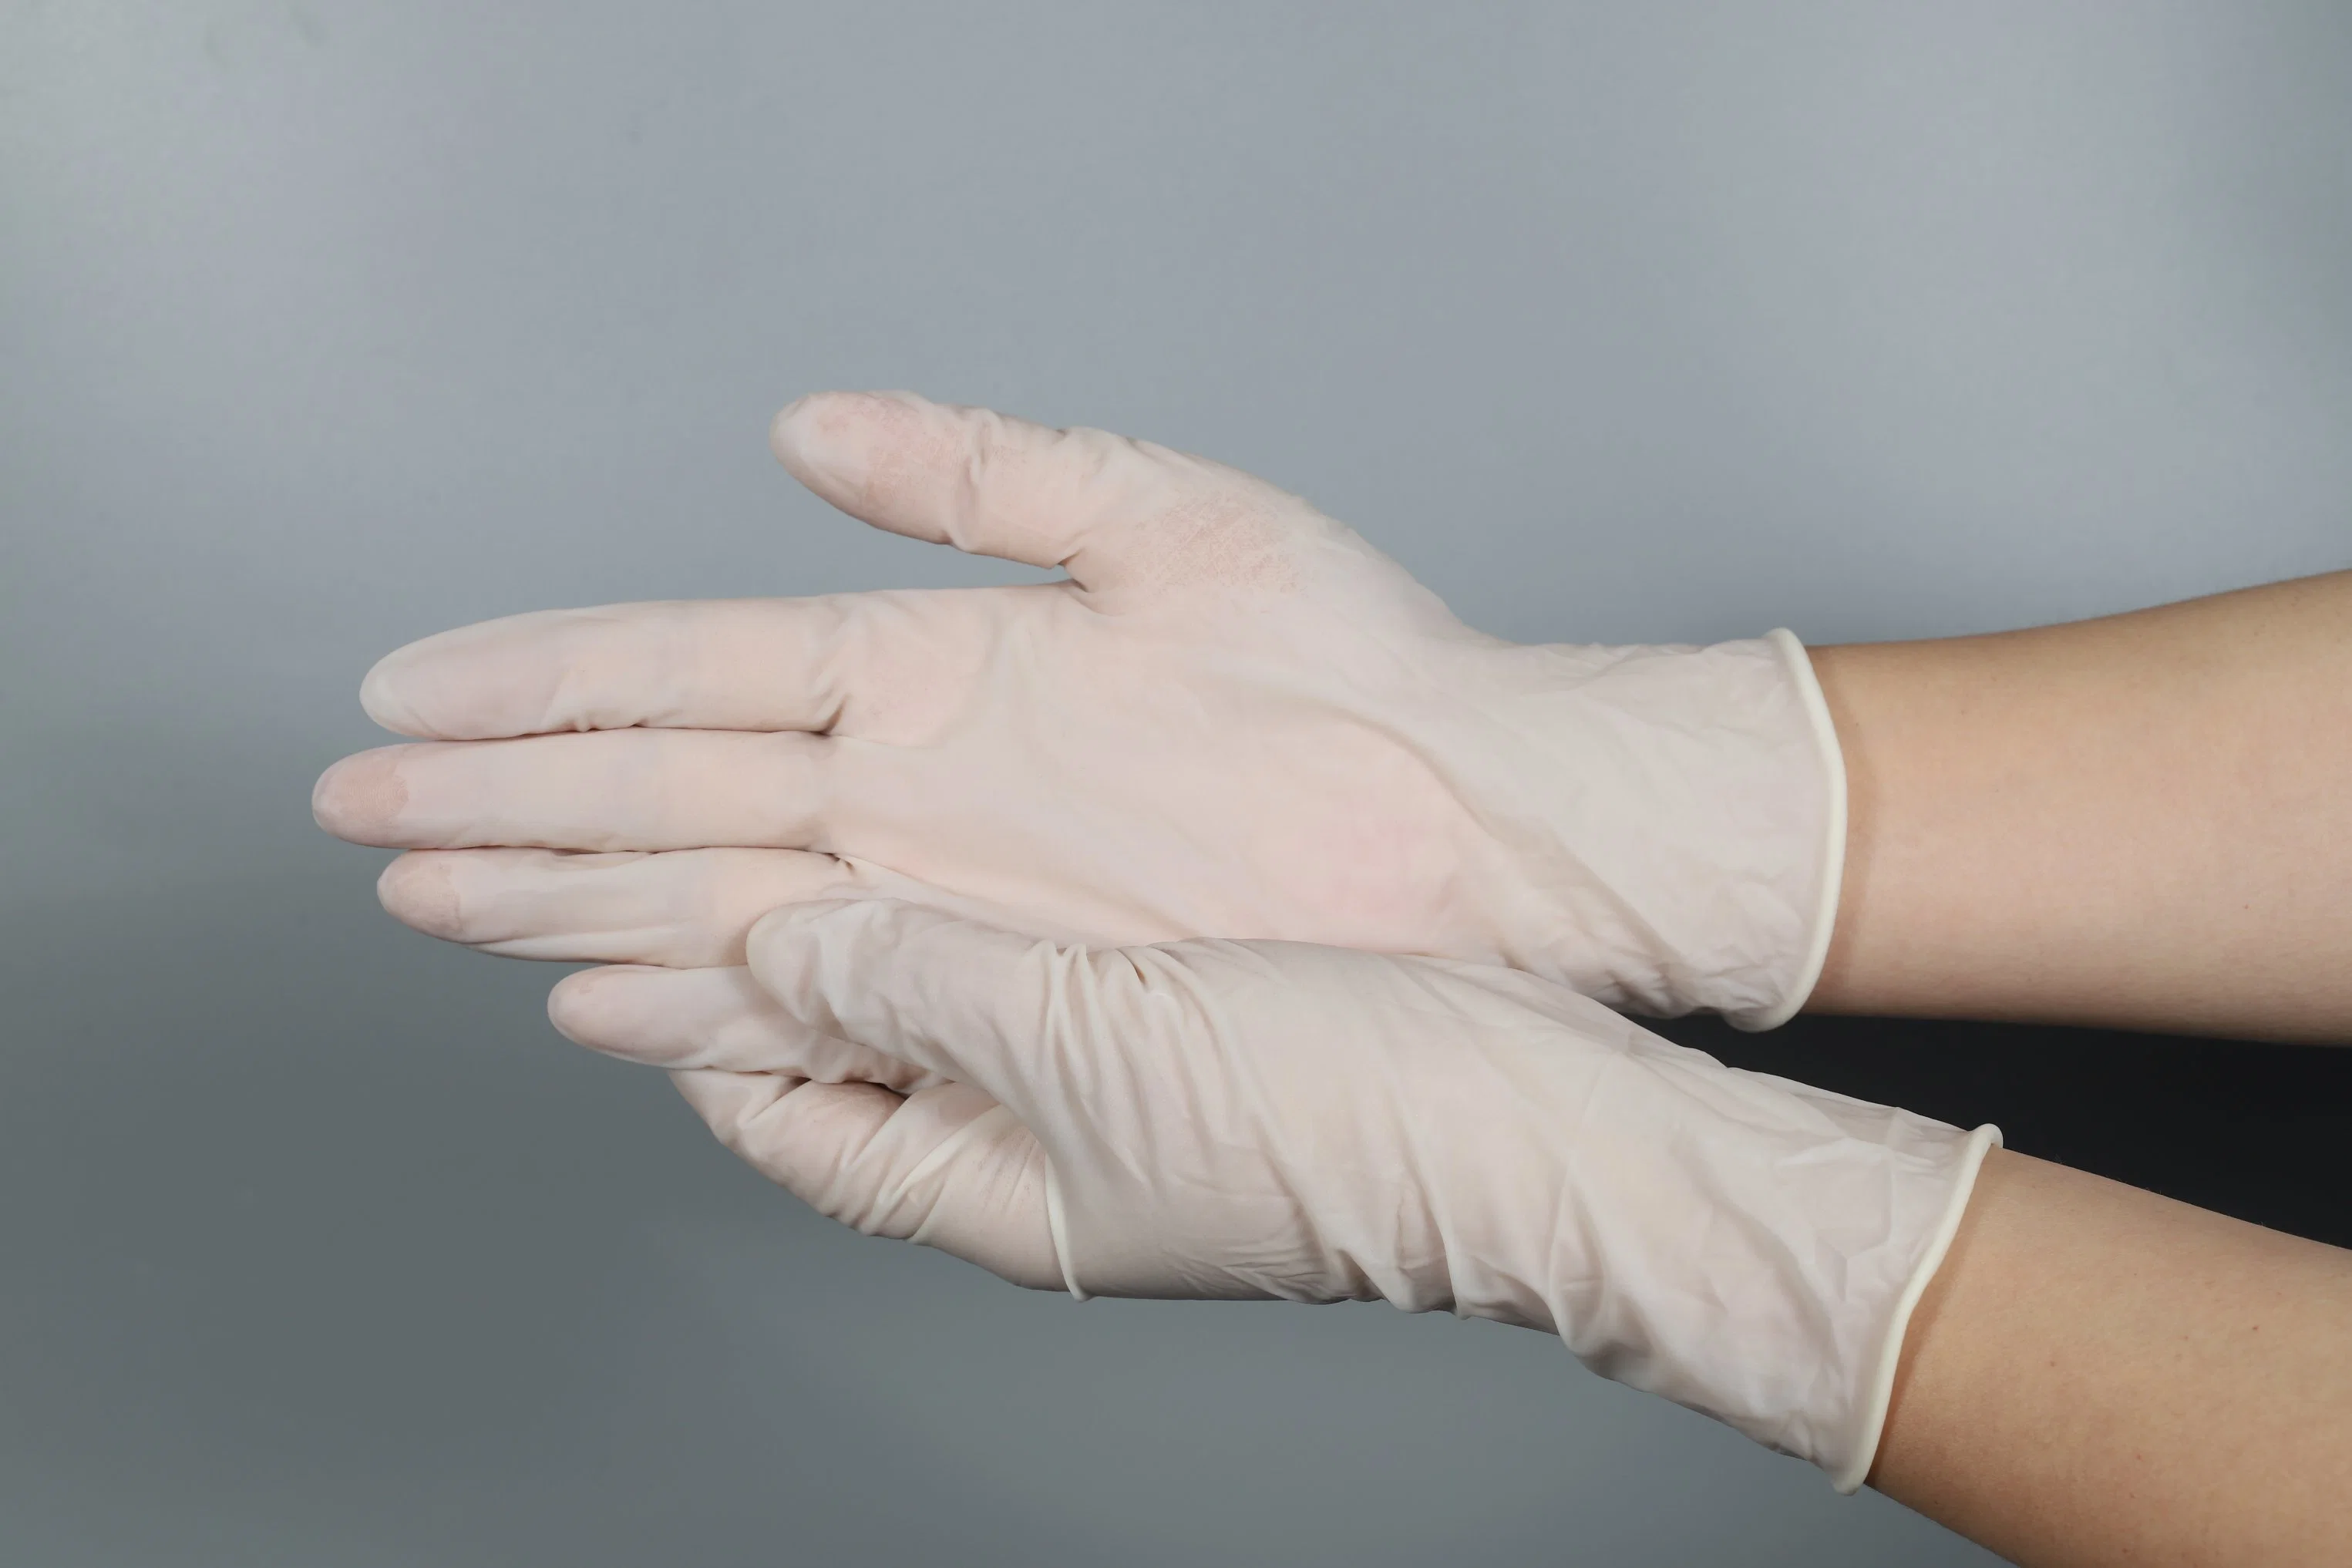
[1213, 1118]
[1234, 718]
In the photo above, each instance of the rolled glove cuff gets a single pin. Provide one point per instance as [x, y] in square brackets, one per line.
[1880, 1390]
[1830, 856]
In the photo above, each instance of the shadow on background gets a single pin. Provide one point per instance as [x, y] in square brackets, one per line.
[2259, 1132]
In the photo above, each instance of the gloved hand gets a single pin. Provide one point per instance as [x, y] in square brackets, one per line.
[1214, 1119]
[1234, 718]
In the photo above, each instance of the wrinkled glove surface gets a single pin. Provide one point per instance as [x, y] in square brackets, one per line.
[1217, 1119]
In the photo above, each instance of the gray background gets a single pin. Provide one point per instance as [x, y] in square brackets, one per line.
[324, 326]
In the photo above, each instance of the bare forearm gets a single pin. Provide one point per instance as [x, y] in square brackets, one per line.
[2143, 821]
[2101, 1376]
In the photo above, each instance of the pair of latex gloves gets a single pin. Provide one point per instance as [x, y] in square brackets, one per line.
[1224, 920]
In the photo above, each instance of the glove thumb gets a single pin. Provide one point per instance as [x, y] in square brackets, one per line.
[1119, 515]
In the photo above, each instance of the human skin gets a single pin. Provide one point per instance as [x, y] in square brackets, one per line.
[2098, 1375]
[2139, 822]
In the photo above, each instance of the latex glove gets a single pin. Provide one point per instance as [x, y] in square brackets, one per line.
[1234, 718]
[1214, 1119]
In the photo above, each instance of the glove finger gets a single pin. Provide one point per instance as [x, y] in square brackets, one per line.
[851, 664]
[686, 908]
[683, 909]
[613, 790]
[715, 1018]
[1116, 513]
[945, 1166]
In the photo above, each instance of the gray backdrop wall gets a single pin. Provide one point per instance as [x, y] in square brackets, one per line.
[326, 325]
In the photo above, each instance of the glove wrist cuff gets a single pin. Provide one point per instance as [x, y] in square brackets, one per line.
[1676, 825]
[1831, 855]
[1878, 1391]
